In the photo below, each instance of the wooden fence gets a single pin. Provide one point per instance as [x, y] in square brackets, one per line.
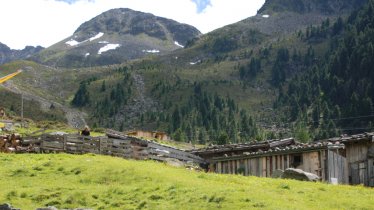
[115, 145]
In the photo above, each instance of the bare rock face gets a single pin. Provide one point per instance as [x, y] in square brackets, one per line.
[298, 174]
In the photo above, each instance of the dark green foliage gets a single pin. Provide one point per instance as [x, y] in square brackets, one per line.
[82, 96]
[103, 100]
[313, 6]
[113, 98]
[315, 33]
[103, 87]
[251, 69]
[203, 117]
[224, 44]
[338, 92]
[280, 65]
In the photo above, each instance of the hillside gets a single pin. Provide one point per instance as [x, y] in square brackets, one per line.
[7, 54]
[311, 6]
[116, 36]
[238, 83]
[222, 87]
[279, 17]
[30, 181]
[41, 88]
[335, 94]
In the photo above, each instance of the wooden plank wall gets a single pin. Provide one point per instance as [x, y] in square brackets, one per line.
[266, 165]
[158, 151]
[356, 154]
[311, 163]
[371, 172]
[337, 167]
[125, 147]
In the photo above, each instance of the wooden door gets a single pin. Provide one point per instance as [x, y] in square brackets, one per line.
[358, 172]
[371, 172]
[336, 167]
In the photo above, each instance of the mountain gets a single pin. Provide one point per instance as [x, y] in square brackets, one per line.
[116, 36]
[311, 6]
[7, 54]
[277, 17]
[225, 85]
[273, 75]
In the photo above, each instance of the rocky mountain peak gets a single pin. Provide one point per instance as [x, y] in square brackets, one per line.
[327, 7]
[125, 21]
[118, 35]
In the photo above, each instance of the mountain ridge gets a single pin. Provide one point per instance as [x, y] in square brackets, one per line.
[7, 54]
[116, 36]
[224, 86]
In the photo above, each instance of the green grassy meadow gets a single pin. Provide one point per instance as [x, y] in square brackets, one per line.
[29, 181]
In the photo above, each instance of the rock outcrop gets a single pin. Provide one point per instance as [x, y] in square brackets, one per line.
[298, 174]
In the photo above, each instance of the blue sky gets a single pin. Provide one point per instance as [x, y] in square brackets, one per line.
[201, 4]
[46, 22]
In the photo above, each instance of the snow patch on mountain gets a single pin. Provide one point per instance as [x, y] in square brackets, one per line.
[179, 45]
[103, 42]
[100, 34]
[151, 51]
[194, 63]
[72, 42]
[108, 47]
[265, 16]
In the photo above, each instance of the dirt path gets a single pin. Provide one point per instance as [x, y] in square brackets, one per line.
[75, 118]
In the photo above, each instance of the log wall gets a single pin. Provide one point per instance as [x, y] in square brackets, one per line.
[125, 147]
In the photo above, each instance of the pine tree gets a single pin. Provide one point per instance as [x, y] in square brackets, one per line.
[81, 97]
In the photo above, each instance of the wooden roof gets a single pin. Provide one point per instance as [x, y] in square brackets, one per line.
[264, 145]
[283, 146]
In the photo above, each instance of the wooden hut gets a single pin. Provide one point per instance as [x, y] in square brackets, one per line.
[345, 160]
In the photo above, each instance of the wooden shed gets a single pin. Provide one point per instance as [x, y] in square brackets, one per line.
[345, 160]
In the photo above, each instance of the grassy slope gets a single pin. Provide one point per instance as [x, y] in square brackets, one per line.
[102, 182]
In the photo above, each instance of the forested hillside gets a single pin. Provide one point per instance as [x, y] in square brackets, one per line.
[303, 70]
[335, 94]
[238, 84]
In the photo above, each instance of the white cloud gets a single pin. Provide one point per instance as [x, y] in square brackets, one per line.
[45, 22]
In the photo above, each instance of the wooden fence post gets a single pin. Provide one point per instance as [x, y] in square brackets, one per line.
[99, 145]
[64, 147]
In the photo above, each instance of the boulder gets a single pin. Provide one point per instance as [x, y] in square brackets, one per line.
[174, 162]
[298, 174]
[7, 206]
[47, 208]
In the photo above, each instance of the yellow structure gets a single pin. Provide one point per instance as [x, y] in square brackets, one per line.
[9, 76]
